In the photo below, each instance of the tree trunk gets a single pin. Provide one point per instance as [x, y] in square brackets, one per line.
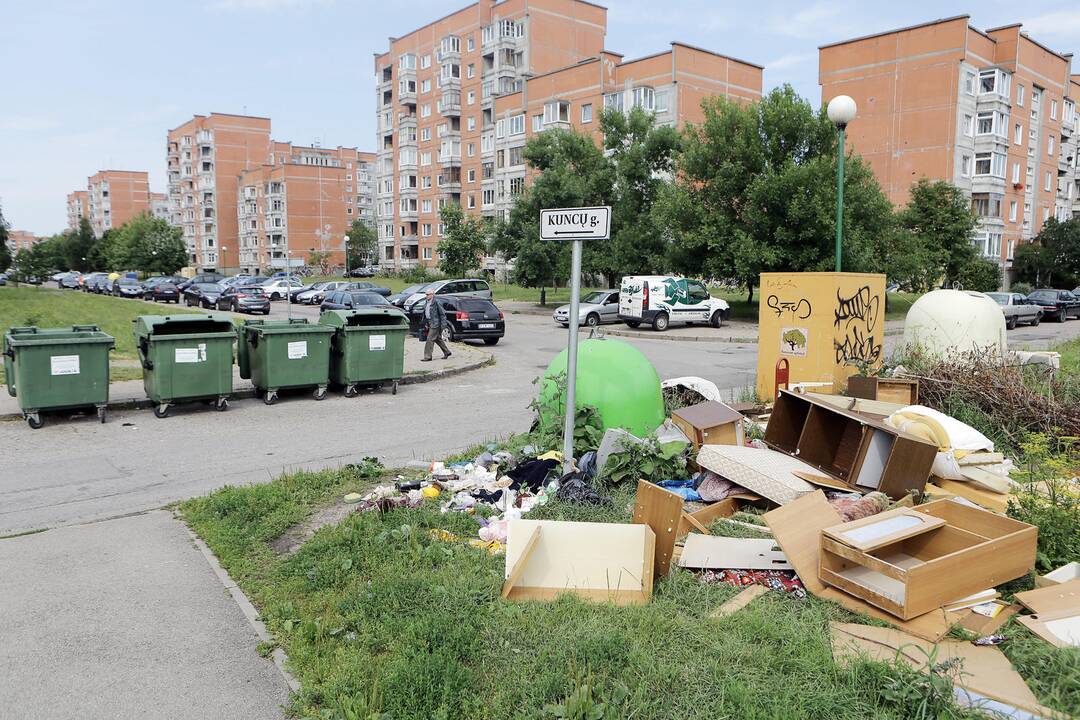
[543, 296]
[749, 292]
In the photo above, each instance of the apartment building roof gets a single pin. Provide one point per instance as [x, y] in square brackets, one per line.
[898, 30]
[219, 114]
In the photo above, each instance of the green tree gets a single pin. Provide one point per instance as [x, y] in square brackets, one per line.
[980, 274]
[1052, 258]
[5, 251]
[756, 192]
[78, 246]
[147, 244]
[939, 216]
[363, 247]
[35, 262]
[100, 255]
[465, 238]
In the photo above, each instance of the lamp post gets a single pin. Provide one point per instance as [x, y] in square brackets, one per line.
[841, 111]
[347, 256]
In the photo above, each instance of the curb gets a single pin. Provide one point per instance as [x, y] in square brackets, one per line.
[249, 392]
[246, 607]
[673, 338]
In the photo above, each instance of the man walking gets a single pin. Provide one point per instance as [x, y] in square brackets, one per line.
[434, 321]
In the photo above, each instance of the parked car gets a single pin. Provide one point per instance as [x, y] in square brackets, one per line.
[371, 287]
[210, 277]
[89, 280]
[280, 288]
[307, 294]
[469, 318]
[162, 292]
[69, 281]
[601, 306]
[3, 279]
[351, 299]
[55, 277]
[101, 284]
[660, 300]
[246, 298]
[1058, 305]
[1017, 309]
[398, 299]
[362, 272]
[460, 288]
[150, 284]
[126, 287]
[203, 295]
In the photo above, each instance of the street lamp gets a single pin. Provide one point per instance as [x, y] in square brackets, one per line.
[841, 111]
[347, 256]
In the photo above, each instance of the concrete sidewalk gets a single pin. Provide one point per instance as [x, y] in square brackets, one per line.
[128, 394]
[125, 619]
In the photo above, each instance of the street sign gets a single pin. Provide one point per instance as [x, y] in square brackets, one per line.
[589, 223]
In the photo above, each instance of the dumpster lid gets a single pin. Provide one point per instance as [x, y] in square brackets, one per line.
[364, 317]
[32, 335]
[294, 326]
[186, 324]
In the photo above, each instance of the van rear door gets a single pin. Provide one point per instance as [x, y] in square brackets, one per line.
[631, 297]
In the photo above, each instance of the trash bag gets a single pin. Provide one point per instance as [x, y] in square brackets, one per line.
[576, 488]
[587, 464]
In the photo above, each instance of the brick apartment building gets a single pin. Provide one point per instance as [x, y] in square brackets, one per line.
[458, 98]
[159, 205]
[114, 197]
[992, 112]
[22, 240]
[78, 207]
[289, 194]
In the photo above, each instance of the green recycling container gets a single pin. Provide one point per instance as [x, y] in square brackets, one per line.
[57, 369]
[368, 347]
[282, 354]
[185, 358]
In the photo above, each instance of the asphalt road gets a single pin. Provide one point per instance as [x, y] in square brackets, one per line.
[79, 471]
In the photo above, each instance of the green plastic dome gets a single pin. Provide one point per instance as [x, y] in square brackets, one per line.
[616, 379]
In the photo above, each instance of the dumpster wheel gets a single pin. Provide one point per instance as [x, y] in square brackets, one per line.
[161, 411]
[271, 397]
[222, 404]
[351, 391]
[320, 393]
[102, 413]
[34, 420]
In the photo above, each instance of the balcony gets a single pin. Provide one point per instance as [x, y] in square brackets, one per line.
[503, 34]
[406, 161]
[406, 121]
[450, 181]
[451, 103]
[411, 241]
[409, 215]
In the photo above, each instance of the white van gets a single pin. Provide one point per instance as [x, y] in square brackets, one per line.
[664, 299]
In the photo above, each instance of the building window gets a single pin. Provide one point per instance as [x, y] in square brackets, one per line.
[471, 97]
[425, 110]
[1012, 211]
[557, 111]
[1018, 134]
[425, 157]
[425, 86]
[517, 186]
[1016, 173]
[965, 165]
[969, 125]
[986, 206]
[1020, 95]
[538, 122]
[1046, 185]
[488, 197]
[1053, 109]
[470, 149]
[613, 101]
[472, 201]
[994, 81]
[643, 97]
[472, 176]
[425, 182]
[990, 164]
[1046, 212]
[969, 83]
[661, 101]
[586, 113]
[425, 229]
[470, 43]
[425, 134]
[407, 62]
[427, 250]
[471, 124]
[1050, 145]
[517, 125]
[425, 62]
[470, 70]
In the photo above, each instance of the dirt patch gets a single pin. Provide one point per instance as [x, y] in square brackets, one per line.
[291, 540]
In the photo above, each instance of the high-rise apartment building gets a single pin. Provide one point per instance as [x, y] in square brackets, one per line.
[116, 196]
[78, 207]
[22, 240]
[457, 98]
[242, 198]
[992, 112]
[159, 205]
[205, 157]
[302, 200]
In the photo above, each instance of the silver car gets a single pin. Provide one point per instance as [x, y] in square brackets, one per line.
[470, 287]
[600, 306]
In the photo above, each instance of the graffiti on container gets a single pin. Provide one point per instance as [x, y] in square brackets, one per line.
[800, 309]
[857, 317]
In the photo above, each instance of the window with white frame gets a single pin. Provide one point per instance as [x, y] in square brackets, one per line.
[425, 157]
[517, 186]
[643, 97]
[586, 113]
[425, 230]
[425, 110]
[969, 125]
[470, 124]
[470, 98]
[1050, 145]
[487, 143]
[425, 206]
[517, 125]
[470, 150]
[661, 99]
[488, 197]
[425, 182]
[990, 164]
[1018, 134]
[613, 101]
[1012, 211]
[1046, 214]
[425, 86]
[442, 231]
[407, 62]
[1016, 173]
[470, 70]
[425, 134]
[471, 176]
[986, 206]
[1053, 109]
[427, 250]
[425, 62]
[538, 122]
[969, 82]
[1046, 183]
[471, 201]
[470, 43]
[556, 111]
[965, 165]
[993, 81]
[1019, 95]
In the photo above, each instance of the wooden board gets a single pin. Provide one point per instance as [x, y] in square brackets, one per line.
[824, 481]
[740, 601]
[990, 500]
[984, 480]
[877, 531]
[1052, 599]
[718, 553]
[1062, 632]
[1063, 574]
[597, 561]
[661, 510]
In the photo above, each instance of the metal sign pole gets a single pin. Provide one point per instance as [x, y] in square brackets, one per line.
[571, 360]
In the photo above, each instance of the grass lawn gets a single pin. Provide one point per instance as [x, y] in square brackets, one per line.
[381, 620]
[47, 307]
[1070, 357]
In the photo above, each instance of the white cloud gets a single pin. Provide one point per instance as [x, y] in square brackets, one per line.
[793, 60]
[1061, 22]
[822, 21]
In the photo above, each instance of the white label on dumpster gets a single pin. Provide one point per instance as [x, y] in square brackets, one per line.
[376, 342]
[65, 364]
[298, 350]
[187, 355]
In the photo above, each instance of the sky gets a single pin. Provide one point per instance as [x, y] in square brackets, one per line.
[96, 84]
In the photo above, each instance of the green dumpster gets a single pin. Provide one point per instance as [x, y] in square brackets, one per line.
[283, 354]
[368, 347]
[57, 369]
[185, 358]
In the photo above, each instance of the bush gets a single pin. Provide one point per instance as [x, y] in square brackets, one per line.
[1022, 288]
[981, 275]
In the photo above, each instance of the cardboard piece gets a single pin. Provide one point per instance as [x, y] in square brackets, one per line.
[912, 571]
[1057, 613]
[904, 391]
[740, 601]
[986, 678]
[718, 553]
[1063, 574]
[797, 528]
[856, 448]
[661, 510]
[768, 473]
[983, 625]
[710, 423]
[602, 562]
